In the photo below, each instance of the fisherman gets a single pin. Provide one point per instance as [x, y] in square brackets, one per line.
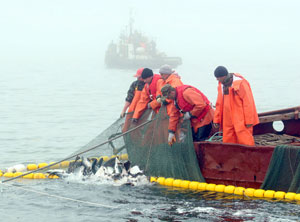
[134, 93]
[194, 106]
[235, 112]
[148, 95]
[168, 76]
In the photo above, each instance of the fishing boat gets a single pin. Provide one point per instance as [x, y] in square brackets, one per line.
[135, 50]
[219, 163]
[272, 163]
[247, 166]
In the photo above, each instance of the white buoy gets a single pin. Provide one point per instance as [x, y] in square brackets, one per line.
[16, 168]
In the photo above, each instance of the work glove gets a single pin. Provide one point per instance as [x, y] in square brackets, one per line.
[158, 98]
[164, 101]
[171, 138]
[216, 125]
[122, 114]
[186, 116]
[134, 120]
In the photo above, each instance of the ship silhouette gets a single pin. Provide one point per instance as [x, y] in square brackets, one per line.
[135, 50]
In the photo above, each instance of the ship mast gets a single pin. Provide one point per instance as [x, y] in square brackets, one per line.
[130, 23]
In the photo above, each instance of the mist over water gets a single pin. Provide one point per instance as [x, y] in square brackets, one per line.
[257, 39]
[56, 93]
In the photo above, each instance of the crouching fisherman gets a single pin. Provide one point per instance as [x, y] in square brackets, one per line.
[194, 105]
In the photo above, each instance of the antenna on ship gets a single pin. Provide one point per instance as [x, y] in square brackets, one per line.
[130, 22]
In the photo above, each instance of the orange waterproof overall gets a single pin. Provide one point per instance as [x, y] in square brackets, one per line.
[131, 108]
[148, 95]
[236, 110]
[135, 100]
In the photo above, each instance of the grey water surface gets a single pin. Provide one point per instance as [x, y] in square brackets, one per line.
[56, 95]
[49, 114]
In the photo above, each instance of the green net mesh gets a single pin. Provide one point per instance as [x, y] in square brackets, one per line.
[115, 147]
[146, 145]
[149, 149]
[284, 170]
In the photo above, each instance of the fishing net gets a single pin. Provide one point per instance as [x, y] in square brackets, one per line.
[149, 149]
[284, 170]
[145, 143]
[99, 147]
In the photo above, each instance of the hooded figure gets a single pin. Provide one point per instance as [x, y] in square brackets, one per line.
[168, 76]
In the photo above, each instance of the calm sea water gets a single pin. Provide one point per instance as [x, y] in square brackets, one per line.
[48, 113]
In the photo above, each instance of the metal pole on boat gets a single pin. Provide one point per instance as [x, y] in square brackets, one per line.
[92, 148]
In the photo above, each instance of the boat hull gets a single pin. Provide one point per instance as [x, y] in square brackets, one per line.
[241, 165]
[233, 164]
[118, 62]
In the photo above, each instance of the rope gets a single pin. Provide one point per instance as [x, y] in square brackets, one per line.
[215, 136]
[61, 197]
[92, 148]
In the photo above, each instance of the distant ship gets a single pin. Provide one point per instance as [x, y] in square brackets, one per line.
[135, 51]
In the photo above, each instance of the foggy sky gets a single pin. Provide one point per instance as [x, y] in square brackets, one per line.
[209, 32]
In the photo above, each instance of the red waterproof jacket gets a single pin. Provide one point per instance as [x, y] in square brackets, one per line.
[184, 106]
[192, 100]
